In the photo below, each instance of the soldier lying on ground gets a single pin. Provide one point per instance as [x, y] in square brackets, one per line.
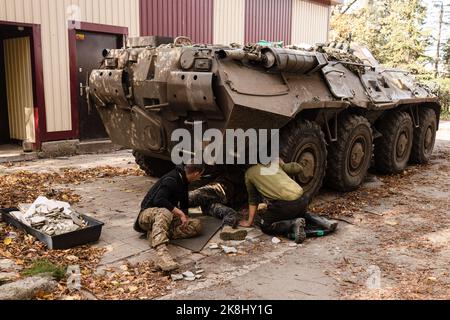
[164, 213]
[217, 200]
[286, 205]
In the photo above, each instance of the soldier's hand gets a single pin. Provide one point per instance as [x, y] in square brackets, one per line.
[245, 224]
[184, 220]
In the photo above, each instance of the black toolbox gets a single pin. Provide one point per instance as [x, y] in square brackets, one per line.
[61, 242]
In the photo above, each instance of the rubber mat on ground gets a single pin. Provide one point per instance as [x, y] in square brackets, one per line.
[209, 229]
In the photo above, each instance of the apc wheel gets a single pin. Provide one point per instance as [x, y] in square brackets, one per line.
[393, 149]
[304, 142]
[153, 167]
[424, 137]
[349, 158]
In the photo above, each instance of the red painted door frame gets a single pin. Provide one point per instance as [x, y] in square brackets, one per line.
[40, 125]
[74, 85]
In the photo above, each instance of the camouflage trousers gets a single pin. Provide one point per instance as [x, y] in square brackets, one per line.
[213, 199]
[161, 226]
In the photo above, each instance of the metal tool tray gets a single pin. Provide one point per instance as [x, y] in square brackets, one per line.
[60, 242]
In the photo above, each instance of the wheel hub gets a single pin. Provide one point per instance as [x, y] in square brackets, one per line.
[357, 155]
[308, 162]
[428, 139]
[402, 145]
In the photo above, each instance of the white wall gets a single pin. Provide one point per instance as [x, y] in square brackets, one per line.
[310, 22]
[229, 21]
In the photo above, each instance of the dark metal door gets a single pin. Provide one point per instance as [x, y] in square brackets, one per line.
[89, 56]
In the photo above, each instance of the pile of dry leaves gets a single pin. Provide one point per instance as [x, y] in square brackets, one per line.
[350, 203]
[139, 282]
[131, 282]
[25, 187]
[24, 250]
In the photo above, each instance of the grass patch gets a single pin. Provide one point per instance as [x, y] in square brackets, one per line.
[45, 267]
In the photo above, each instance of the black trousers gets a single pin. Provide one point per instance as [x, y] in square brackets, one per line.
[278, 218]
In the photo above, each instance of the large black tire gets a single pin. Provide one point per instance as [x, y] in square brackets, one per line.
[153, 167]
[393, 149]
[304, 142]
[424, 136]
[350, 156]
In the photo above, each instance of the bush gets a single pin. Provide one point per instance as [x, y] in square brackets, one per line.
[441, 87]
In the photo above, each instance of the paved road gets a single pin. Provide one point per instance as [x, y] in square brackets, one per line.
[398, 232]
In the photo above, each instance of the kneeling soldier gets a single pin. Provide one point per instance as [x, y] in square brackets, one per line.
[164, 213]
[286, 204]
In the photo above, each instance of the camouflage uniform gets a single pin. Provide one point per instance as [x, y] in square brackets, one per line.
[213, 199]
[161, 226]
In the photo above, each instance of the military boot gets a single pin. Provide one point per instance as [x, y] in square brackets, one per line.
[298, 231]
[163, 259]
[230, 234]
[292, 229]
[321, 222]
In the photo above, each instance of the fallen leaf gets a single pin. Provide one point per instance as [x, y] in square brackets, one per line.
[391, 222]
[72, 258]
[133, 289]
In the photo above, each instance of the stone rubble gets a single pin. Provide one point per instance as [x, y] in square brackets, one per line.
[214, 246]
[51, 217]
[177, 277]
[188, 274]
[229, 250]
[276, 240]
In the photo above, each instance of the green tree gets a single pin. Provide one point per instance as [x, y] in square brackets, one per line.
[392, 29]
[446, 55]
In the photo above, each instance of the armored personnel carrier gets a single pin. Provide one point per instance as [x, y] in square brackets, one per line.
[337, 109]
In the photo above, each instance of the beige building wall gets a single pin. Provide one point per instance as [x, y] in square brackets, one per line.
[310, 22]
[19, 88]
[53, 15]
[229, 21]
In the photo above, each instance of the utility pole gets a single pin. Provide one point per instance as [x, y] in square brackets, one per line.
[438, 49]
[349, 6]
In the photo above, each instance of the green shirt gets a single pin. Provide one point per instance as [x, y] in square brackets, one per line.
[273, 185]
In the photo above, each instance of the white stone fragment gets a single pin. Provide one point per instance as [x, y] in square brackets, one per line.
[276, 240]
[188, 274]
[177, 277]
[190, 279]
[229, 250]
